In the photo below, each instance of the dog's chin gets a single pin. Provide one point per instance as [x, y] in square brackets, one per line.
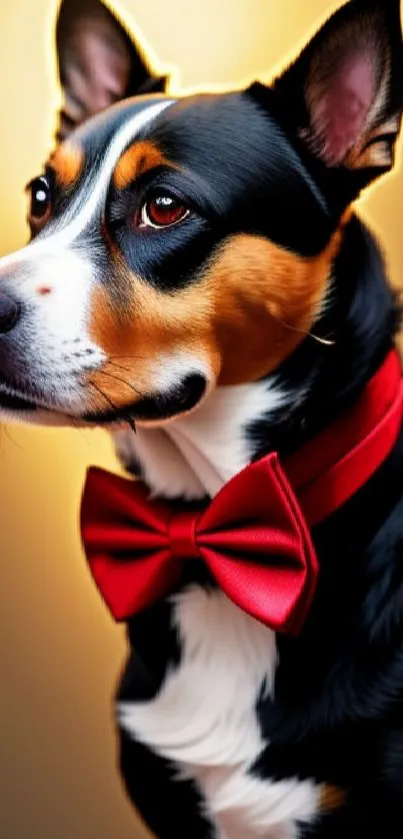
[30, 414]
[16, 408]
[155, 409]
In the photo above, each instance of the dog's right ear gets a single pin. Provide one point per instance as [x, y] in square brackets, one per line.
[99, 63]
[344, 93]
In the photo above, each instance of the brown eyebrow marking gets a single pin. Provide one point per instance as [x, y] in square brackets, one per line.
[136, 160]
[67, 162]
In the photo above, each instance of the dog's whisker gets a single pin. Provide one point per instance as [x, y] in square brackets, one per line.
[128, 357]
[6, 431]
[104, 395]
[326, 342]
[119, 366]
[130, 421]
[123, 382]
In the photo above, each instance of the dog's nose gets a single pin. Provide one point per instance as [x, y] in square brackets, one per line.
[9, 313]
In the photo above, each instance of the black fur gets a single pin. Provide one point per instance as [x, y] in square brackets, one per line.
[171, 807]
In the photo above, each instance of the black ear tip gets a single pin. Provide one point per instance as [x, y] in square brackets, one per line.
[161, 83]
[153, 84]
[390, 8]
[70, 10]
[382, 5]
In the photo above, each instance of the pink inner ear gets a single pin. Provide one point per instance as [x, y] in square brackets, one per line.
[341, 110]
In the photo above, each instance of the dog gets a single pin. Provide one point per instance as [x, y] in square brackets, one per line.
[199, 283]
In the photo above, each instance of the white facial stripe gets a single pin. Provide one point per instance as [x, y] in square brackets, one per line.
[126, 134]
[54, 280]
[77, 219]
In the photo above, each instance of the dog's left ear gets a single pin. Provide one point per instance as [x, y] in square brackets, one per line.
[99, 62]
[345, 91]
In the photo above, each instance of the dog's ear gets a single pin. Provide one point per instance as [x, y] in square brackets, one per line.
[345, 91]
[99, 62]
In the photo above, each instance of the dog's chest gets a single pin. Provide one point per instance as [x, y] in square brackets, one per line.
[204, 719]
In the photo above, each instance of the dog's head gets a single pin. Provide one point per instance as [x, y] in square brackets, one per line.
[180, 244]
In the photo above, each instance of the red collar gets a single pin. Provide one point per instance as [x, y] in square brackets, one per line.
[254, 535]
[332, 467]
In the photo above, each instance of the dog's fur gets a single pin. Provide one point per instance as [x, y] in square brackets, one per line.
[204, 334]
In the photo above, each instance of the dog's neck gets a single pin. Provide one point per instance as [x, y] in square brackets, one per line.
[193, 456]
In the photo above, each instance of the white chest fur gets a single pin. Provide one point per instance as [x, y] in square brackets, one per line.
[204, 717]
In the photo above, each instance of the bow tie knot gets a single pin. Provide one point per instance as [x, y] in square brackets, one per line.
[182, 534]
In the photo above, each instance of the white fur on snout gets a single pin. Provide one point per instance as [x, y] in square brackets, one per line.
[55, 347]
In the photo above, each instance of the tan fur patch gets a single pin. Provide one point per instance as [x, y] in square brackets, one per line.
[331, 798]
[154, 325]
[136, 160]
[380, 152]
[266, 299]
[67, 162]
[243, 317]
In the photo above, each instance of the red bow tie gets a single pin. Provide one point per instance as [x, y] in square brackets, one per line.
[253, 537]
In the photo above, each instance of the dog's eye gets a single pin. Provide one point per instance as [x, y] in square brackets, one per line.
[162, 210]
[40, 199]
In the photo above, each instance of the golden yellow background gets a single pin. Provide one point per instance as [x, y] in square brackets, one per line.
[60, 654]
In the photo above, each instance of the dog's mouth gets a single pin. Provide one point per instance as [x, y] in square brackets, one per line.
[16, 403]
[153, 408]
[18, 398]
[162, 406]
